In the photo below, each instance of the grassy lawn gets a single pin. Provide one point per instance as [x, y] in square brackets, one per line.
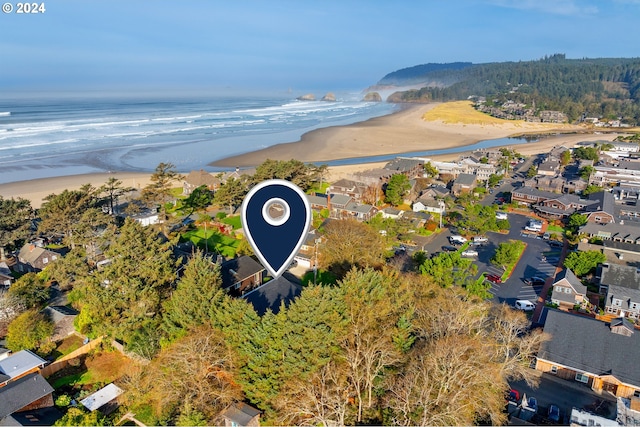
[214, 241]
[67, 345]
[103, 367]
[555, 228]
[322, 189]
[233, 221]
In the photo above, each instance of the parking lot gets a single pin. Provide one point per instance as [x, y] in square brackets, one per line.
[539, 259]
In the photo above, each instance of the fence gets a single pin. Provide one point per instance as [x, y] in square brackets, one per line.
[64, 361]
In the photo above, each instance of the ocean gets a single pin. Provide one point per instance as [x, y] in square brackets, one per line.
[49, 137]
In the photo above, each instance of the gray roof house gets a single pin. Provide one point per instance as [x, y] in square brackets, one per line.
[622, 286]
[34, 258]
[240, 414]
[241, 275]
[27, 393]
[599, 354]
[568, 290]
[18, 365]
[463, 183]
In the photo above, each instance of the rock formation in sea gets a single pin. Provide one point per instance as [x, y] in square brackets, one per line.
[307, 97]
[372, 97]
[329, 97]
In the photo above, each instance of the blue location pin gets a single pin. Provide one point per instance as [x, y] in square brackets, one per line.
[275, 217]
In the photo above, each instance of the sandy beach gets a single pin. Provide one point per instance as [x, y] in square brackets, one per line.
[36, 190]
[401, 132]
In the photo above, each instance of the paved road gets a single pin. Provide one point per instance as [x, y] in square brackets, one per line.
[566, 395]
[531, 264]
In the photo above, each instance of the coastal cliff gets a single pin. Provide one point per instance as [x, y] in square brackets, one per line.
[372, 97]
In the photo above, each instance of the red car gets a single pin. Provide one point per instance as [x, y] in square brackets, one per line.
[512, 395]
[493, 278]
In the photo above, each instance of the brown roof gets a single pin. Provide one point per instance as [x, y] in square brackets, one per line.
[200, 178]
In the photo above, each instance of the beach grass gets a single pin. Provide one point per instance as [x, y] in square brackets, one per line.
[463, 112]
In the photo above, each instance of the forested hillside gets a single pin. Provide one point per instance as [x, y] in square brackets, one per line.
[604, 87]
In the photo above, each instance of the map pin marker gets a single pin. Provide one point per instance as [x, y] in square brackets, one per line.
[275, 217]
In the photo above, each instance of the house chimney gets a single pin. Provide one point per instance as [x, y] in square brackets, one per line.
[329, 203]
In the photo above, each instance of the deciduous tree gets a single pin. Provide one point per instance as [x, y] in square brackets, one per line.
[350, 243]
[30, 290]
[31, 330]
[583, 262]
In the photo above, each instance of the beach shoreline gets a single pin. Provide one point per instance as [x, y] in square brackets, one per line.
[400, 132]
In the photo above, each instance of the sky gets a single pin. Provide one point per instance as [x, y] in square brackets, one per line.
[330, 45]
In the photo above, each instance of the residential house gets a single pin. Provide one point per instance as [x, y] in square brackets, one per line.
[560, 206]
[429, 205]
[360, 212]
[628, 147]
[530, 196]
[306, 256]
[549, 167]
[464, 183]
[626, 232]
[5, 275]
[273, 294]
[317, 202]
[27, 393]
[241, 275]
[621, 284]
[552, 116]
[568, 290]
[601, 208]
[347, 187]
[62, 318]
[598, 354]
[18, 365]
[197, 179]
[436, 192]
[391, 212]
[240, 414]
[409, 167]
[337, 203]
[32, 258]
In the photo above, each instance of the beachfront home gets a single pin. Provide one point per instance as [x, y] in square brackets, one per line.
[197, 179]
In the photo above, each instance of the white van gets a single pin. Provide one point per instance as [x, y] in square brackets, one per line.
[480, 239]
[501, 215]
[525, 305]
[457, 239]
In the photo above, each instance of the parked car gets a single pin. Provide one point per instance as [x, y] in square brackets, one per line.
[493, 278]
[525, 305]
[554, 414]
[556, 243]
[535, 281]
[546, 236]
[469, 253]
[501, 215]
[480, 239]
[449, 248]
[457, 239]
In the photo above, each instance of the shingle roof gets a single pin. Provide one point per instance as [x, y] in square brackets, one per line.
[238, 269]
[626, 295]
[240, 413]
[465, 179]
[340, 199]
[588, 345]
[620, 275]
[626, 231]
[530, 191]
[402, 165]
[22, 392]
[317, 200]
[270, 295]
[200, 177]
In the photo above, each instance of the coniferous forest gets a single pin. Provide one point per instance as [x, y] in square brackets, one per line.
[602, 87]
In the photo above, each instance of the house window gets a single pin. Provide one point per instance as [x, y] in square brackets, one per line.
[636, 393]
[617, 302]
[567, 290]
[634, 305]
[559, 289]
[554, 369]
[582, 378]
